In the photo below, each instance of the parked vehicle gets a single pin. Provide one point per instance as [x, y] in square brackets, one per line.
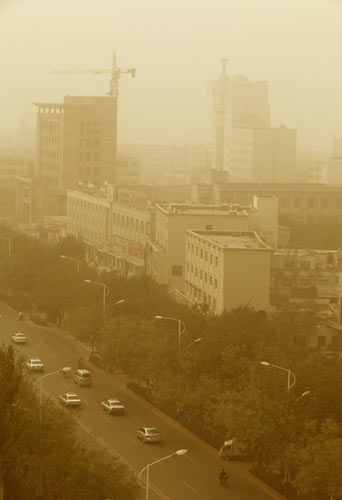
[113, 407]
[148, 435]
[70, 399]
[35, 365]
[19, 338]
[233, 449]
[82, 377]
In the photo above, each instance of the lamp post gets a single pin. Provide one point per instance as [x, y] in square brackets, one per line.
[75, 260]
[147, 468]
[290, 374]
[105, 293]
[66, 369]
[9, 244]
[181, 330]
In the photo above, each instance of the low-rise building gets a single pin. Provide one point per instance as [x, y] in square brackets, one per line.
[227, 269]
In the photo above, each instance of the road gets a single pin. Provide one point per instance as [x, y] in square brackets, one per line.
[193, 476]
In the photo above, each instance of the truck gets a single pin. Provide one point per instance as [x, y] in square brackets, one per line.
[233, 449]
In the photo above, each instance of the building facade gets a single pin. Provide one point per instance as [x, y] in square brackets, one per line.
[226, 270]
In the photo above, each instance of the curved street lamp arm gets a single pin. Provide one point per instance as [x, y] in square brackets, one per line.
[47, 375]
[155, 462]
[293, 379]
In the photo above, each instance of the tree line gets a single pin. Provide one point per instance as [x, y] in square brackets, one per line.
[214, 374]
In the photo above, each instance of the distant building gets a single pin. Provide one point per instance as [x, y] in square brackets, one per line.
[127, 171]
[301, 276]
[226, 270]
[76, 142]
[246, 147]
[301, 202]
[170, 164]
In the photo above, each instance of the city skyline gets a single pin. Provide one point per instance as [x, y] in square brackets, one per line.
[176, 50]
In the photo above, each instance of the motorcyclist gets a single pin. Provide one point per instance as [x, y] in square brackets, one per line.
[223, 477]
[21, 316]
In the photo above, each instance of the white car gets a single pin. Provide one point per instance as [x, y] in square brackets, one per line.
[148, 435]
[113, 406]
[35, 365]
[70, 399]
[19, 338]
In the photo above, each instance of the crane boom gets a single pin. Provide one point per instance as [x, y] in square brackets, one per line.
[115, 73]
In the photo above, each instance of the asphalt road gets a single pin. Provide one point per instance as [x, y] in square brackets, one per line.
[193, 476]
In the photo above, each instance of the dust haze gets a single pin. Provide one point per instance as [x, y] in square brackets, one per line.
[175, 47]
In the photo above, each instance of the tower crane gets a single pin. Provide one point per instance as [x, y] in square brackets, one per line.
[115, 73]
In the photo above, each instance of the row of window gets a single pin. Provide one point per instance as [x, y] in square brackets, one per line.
[90, 143]
[49, 154]
[198, 273]
[200, 296]
[89, 127]
[199, 252]
[50, 140]
[89, 156]
[50, 126]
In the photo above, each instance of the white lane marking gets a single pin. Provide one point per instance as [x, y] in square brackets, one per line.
[85, 402]
[131, 439]
[53, 356]
[189, 458]
[135, 418]
[65, 386]
[106, 418]
[190, 487]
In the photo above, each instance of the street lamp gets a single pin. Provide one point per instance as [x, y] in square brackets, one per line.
[181, 330]
[147, 468]
[105, 293]
[66, 369]
[9, 244]
[121, 301]
[289, 374]
[75, 260]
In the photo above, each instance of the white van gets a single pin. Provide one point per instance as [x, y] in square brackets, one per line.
[82, 377]
[233, 449]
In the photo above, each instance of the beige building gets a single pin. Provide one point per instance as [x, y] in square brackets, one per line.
[227, 269]
[76, 141]
[166, 254]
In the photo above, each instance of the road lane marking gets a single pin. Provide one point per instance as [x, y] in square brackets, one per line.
[131, 439]
[65, 386]
[106, 418]
[85, 402]
[189, 458]
[190, 487]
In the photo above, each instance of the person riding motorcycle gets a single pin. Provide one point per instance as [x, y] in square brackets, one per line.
[21, 316]
[223, 477]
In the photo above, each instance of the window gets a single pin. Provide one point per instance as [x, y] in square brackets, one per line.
[210, 280]
[305, 264]
[211, 258]
[206, 256]
[311, 202]
[196, 251]
[201, 254]
[287, 282]
[297, 202]
[216, 261]
[288, 264]
[205, 277]
[196, 271]
[325, 203]
[209, 227]
[201, 274]
[215, 283]
[177, 270]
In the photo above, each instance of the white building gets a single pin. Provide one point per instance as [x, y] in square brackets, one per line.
[227, 269]
[246, 147]
[115, 233]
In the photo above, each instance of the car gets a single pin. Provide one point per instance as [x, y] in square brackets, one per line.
[148, 434]
[113, 406]
[35, 365]
[70, 399]
[82, 377]
[19, 338]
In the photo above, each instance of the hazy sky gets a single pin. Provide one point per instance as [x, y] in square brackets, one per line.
[296, 45]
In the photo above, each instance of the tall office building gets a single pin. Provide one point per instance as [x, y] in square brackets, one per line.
[76, 141]
[246, 147]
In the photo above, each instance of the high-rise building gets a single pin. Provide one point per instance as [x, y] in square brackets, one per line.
[246, 147]
[76, 141]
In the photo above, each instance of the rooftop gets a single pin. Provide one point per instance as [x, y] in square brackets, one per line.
[190, 209]
[233, 239]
